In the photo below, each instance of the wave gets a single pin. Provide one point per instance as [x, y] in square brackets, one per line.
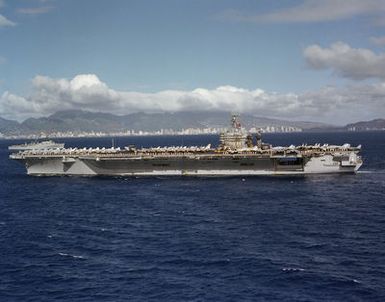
[379, 171]
[292, 269]
[73, 256]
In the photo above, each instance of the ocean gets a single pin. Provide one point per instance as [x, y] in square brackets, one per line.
[304, 238]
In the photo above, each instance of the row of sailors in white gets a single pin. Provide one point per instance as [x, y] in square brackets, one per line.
[73, 150]
[316, 148]
[115, 150]
[175, 149]
[324, 147]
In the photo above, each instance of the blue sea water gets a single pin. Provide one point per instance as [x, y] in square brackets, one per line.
[313, 238]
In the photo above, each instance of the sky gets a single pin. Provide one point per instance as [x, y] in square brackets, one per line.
[315, 60]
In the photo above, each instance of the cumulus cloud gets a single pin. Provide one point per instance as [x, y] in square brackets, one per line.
[378, 40]
[314, 11]
[88, 92]
[5, 22]
[353, 63]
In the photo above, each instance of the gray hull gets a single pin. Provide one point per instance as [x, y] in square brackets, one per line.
[193, 165]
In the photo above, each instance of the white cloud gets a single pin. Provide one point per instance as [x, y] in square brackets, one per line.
[5, 22]
[378, 40]
[314, 11]
[354, 63]
[87, 92]
[34, 10]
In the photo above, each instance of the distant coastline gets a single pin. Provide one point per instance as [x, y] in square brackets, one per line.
[162, 132]
[59, 135]
[78, 123]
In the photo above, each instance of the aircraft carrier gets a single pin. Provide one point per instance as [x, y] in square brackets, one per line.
[239, 153]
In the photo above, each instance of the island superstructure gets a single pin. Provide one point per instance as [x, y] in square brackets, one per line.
[239, 153]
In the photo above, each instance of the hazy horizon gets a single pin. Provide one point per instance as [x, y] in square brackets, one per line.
[204, 113]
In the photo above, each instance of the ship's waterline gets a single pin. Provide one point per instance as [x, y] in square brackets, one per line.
[188, 167]
[236, 155]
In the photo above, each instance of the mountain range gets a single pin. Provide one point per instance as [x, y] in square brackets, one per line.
[376, 124]
[86, 121]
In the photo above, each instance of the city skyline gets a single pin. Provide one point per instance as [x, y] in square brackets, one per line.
[297, 60]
